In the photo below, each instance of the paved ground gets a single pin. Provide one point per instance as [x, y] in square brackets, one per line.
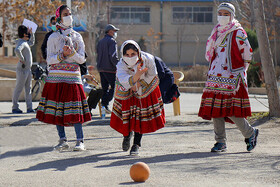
[178, 155]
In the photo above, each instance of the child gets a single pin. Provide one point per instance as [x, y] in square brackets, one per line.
[23, 71]
[225, 97]
[138, 105]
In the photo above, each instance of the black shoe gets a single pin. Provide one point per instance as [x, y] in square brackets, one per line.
[126, 142]
[219, 147]
[16, 111]
[134, 151]
[30, 111]
[252, 141]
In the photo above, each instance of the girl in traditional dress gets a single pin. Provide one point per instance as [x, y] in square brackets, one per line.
[138, 105]
[225, 96]
[63, 101]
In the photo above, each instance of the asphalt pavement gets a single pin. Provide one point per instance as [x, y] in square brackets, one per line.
[178, 154]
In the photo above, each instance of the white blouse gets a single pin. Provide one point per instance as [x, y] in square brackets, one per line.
[56, 43]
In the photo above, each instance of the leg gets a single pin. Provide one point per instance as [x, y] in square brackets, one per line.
[62, 145]
[80, 138]
[111, 80]
[61, 132]
[134, 151]
[247, 131]
[28, 96]
[18, 88]
[79, 131]
[126, 142]
[242, 124]
[219, 129]
[105, 86]
[137, 139]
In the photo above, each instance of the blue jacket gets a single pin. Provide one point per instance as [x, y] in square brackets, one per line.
[169, 90]
[107, 54]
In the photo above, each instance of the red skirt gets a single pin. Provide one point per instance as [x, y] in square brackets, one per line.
[63, 104]
[142, 115]
[217, 105]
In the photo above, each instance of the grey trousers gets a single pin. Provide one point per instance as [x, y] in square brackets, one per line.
[241, 123]
[24, 78]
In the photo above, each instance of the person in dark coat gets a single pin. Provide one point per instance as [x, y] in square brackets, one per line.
[107, 59]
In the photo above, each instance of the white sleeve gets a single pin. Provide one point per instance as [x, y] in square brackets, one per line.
[123, 76]
[54, 55]
[79, 54]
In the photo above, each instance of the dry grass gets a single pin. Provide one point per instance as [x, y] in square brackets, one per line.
[195, 73]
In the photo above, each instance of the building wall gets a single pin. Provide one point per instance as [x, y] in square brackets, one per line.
[193, 39]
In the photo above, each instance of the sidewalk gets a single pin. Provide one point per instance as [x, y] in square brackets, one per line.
[178, 154]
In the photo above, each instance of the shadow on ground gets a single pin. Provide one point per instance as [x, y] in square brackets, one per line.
[26, 152]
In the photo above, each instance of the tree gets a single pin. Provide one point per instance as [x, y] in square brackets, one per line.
[95, 14]
[267, 60]
[14, 11]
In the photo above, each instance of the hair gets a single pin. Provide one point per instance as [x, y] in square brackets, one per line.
[62, 7]
[22, 30]
[129, 46]
[52, 18]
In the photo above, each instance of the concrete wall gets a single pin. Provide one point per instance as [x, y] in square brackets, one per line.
[7, 87]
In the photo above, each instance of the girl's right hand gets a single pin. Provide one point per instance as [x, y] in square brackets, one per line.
[67, 50]
[141, 71]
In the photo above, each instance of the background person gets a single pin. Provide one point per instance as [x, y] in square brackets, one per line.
[107, 59]
[23, 70]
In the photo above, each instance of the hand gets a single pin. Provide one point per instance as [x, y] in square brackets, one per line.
[135, 88]
[88, 77]
[67, 50]
[29, 30]
[139, 72]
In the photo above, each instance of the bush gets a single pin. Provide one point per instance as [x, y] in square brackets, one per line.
[252, 37]
[195, 73]
[254, 75]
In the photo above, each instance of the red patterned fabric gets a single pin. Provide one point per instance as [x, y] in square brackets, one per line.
[217, 105]
[63, 104]
[143, 115]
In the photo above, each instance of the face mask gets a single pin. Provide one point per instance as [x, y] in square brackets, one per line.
[115, 35]
[223, 20]
[67, 21]
[131, 61]
[29, 35]
[53, 27]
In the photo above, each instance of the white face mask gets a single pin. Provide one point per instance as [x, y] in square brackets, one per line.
[115, 35]
[67, 21]
[223, 20]
[131, 61]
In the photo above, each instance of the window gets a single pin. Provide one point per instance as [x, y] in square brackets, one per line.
[189, 14]
[6, 52]
[130, 15]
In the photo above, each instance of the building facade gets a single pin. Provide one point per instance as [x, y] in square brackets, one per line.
[175, 30]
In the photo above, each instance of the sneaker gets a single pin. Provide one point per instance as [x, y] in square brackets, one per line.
[30, 110]
[219, 147]
[16, 111]
[80, 146]
[252, 141]
[62, 145]
[126, 142]
[107, 110]
[134, 151]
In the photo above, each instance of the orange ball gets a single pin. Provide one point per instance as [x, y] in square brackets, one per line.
[139, 172]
